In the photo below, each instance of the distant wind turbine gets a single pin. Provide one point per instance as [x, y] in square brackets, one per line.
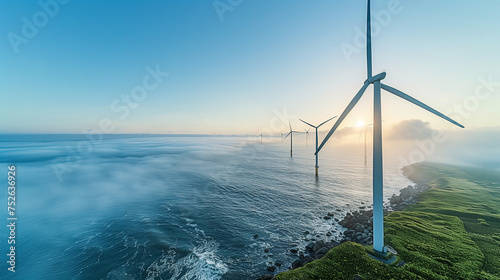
[260, 137]
[364, 127]
[316, 128]
[378, 199]
[307, 136]
[291, 138]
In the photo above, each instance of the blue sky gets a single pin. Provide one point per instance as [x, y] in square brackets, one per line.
[240, 72]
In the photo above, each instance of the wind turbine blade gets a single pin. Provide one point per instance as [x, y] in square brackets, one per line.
[287, 134]
[418, 103]
[368, 42]
[344, 114]
[326, 121]
[307, 123]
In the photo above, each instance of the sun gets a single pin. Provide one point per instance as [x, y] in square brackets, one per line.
[360, 123]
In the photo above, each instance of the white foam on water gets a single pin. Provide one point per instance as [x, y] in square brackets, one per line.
[202, 263]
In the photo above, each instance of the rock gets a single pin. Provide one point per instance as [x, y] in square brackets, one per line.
[364, 236]
[362, 207]
[318, 245]
[334, 244]
[336, 220]
[307, 260]
[296, 264]
[358, 228]
[326, 217]
[338, 210]
[329, 214]
[309, 247]
[271, 268]
[256, 236]
[293, 251]
[366, 231]
[278, 264]
[266, 277]
[266, 250]
[348, 239]
[328, 234]
[322, 251]
[306, 232]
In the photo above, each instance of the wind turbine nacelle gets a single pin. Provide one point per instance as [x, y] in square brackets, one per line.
[375, 78]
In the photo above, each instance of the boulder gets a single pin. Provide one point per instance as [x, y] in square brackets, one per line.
[318, 245]
[296, 264]
[309, 247]
[306, 260]
[358, 228]
[322, 251]
[271, 268]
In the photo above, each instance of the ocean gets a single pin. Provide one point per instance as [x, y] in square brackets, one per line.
[175, 207]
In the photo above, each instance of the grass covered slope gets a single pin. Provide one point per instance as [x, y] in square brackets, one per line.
[472, 195]
[452, 233]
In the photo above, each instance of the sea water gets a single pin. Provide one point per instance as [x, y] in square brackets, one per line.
[175, 207]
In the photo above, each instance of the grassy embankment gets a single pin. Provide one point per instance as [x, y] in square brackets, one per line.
[452, 233]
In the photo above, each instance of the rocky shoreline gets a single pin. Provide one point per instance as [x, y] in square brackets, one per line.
[358, 225]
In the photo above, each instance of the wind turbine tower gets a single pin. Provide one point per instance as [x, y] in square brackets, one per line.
[378, 199]
[316, 128]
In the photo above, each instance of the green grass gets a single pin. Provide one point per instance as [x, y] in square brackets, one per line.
[472, 195]
[452, 233]
[345, 262]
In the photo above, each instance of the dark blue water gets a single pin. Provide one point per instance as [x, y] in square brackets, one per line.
[174, 207]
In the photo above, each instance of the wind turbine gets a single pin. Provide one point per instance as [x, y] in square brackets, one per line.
[316, 127]
[365, 140]
[307, 136]
[360, 124]
[378, 199]
[260, 137]
[291, 138]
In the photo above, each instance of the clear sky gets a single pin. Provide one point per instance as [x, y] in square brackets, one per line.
[236, 67]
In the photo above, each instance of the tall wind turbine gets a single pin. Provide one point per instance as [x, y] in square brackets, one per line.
[316, 127]
[291, 138]
[378, 199]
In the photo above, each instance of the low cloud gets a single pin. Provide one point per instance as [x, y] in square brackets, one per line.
[410, 130]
